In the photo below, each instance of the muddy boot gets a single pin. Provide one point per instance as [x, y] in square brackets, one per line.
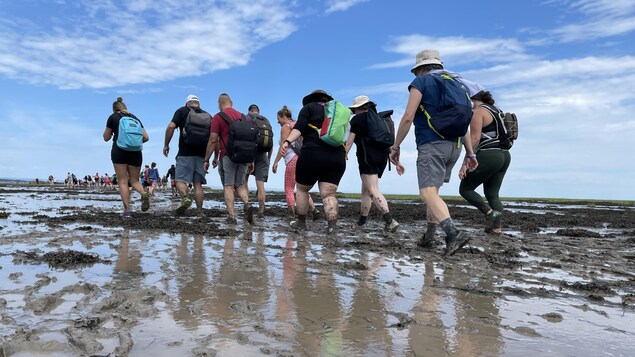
[454, 239]
[145, 201]
[391, 224]
[428, 241]
[185, 204]
[332, 228]
[300, 223]
[249, 214]
[361, 221]
[455, 242]
[315, 214]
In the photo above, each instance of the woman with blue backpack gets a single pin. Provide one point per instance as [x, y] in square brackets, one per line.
[323, 156]
[128, 135]
[373, 133]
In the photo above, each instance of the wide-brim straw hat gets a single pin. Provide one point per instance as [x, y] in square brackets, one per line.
[318, 93]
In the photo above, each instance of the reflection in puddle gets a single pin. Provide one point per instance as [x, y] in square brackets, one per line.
[269, 291]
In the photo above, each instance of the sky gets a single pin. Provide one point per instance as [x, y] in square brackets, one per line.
[565, 67]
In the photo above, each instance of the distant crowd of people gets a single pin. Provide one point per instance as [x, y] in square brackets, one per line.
[315, 145]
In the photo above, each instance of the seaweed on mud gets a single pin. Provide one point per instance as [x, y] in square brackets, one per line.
[59, 259]
[574, 232]
[595, 287]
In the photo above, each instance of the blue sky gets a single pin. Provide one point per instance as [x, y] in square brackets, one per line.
[566, 67]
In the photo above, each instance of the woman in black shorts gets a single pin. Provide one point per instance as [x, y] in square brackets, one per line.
[318, 162]
[372, 159]
[126, 163]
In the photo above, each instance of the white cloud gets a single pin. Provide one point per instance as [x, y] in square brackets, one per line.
[605, 18]
[454, 50]
[142, 42]
[341, 5]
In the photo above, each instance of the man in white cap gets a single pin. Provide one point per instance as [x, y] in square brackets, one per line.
[437, 154]
[194, 126]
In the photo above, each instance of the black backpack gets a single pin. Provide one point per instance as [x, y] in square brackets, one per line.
[381, 128]
[455, 108]
[241, 145]
[506, 129]
[265, 132]
[197, 128]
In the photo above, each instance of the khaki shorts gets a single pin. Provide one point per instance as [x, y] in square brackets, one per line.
[435, 162]
[261, 167]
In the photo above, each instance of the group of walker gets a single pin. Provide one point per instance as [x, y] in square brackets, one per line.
[224, 140]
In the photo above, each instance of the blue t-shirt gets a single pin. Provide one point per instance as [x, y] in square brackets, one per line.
[431, 95]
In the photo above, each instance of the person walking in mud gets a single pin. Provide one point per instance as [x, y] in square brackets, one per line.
[154, 178]
[232, 174]
[371, 159]
[127, 162]
[194, 125]
[263, 157]
[171, 176]
[318, 162]
[488, 135]
[290, 160]
[436, 154]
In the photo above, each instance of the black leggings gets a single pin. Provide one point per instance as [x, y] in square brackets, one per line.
[492, 166]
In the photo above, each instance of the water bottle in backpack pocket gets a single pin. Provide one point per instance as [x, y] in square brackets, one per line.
[241, 144]
[130, 134]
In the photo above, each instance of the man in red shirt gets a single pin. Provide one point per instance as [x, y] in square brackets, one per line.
[232, 174]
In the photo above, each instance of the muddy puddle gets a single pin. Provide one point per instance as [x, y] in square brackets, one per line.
[78, 280]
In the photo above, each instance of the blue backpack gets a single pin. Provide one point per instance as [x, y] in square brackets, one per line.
[455, 108]
[130, 135]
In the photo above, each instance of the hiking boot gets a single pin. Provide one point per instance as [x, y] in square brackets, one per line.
[298, 225]
[454, 243]
[392, 227]
[361, 221]
[249, 214]
[231, 220]
[145, 201]
[427, 242]
[185, 204]
[315, 214]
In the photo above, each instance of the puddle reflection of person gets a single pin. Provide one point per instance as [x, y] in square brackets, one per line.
[128, 273]
[191, 279]
[241, 278]
[472, 311]
[366, 324]
[318, 308]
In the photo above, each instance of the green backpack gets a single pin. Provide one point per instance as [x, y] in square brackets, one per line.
[334, 128]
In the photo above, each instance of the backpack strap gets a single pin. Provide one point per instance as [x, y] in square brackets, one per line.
[225, 117]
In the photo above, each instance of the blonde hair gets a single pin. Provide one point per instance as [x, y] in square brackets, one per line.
[284, 112]
[119, 106]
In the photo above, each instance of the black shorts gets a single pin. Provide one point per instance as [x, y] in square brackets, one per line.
[372, 162]
[320, 166]
[131, 158]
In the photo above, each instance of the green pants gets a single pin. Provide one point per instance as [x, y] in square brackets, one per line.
[492, 166]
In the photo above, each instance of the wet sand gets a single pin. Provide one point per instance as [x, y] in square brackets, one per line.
[76, 279]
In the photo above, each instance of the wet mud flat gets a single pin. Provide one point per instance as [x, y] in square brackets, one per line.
[76, 279]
